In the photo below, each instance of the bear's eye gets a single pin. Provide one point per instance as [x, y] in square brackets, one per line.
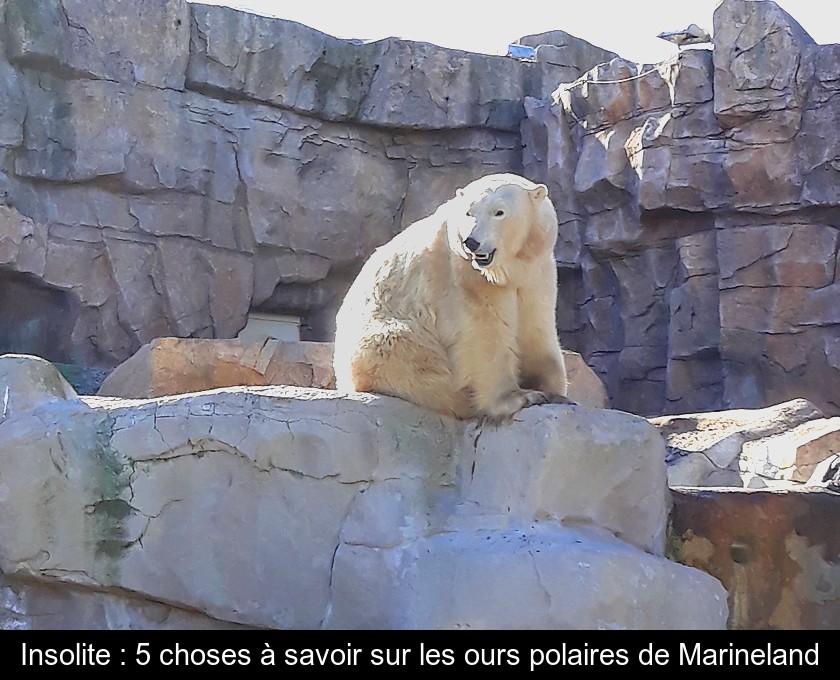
[499, 213]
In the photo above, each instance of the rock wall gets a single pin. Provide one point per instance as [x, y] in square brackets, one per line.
[165, 167]
[699, 200]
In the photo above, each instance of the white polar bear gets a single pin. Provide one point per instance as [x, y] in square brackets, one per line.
[457, 312]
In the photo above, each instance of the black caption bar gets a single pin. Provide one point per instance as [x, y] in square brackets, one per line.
[531, 652]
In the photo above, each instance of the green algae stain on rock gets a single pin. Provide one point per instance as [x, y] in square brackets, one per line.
[111, 510]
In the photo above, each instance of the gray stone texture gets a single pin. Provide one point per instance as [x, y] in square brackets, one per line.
[753, 448]
[699, 202]
[165, 168]
[289, 507]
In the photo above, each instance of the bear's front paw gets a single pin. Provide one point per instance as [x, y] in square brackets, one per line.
[559, 399]
[508, 406]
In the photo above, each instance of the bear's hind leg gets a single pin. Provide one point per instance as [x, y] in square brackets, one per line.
[408, 365]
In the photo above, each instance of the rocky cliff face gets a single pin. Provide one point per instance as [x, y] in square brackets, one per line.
[700, 206]
[165, 168]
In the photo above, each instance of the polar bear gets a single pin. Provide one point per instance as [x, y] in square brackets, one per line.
[457, 312]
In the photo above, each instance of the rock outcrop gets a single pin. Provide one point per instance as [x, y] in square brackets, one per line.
[288, 507]
[699, 200]
[698, 197]
[167, 167]
[753, 448]
[698, 270]
[169, 366]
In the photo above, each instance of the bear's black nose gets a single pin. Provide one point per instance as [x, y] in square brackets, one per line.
[471, 244]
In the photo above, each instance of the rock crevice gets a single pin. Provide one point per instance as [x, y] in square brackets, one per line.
[285, 507]
[701, 234]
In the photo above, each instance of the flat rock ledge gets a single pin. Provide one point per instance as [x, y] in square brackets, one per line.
[287, 507]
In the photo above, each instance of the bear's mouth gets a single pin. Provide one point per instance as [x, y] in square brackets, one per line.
[484, 260]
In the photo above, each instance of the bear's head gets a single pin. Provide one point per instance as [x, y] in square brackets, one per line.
[499, 221]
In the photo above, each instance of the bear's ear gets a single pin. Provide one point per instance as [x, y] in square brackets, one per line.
[539, 193]
[460, 193]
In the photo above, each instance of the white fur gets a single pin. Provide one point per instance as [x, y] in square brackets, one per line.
[426, 322]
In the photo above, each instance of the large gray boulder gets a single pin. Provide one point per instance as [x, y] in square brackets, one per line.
[748, 447]
[288, 507]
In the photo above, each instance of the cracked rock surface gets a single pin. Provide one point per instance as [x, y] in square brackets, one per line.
[752, 448]
[169, 178]
[288, 507]
[166, 167]
[698, 201]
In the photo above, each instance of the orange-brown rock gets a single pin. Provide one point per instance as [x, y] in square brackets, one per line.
[177, 366]
[585, 387]
[777, 553]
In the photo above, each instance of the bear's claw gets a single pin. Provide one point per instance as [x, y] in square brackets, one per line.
[512, 404]
[560, 399]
